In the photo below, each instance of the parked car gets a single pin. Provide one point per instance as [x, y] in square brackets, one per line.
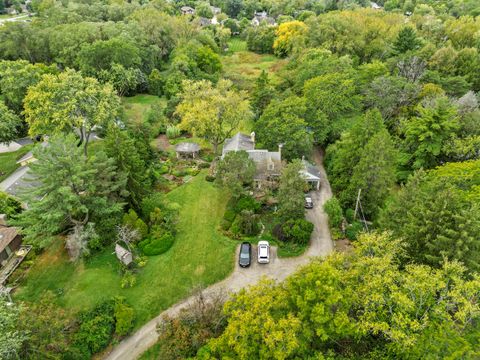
[263, 252]
[308, 202]
[245, 257]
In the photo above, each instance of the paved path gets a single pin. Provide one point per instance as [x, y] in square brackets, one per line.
[320, 244]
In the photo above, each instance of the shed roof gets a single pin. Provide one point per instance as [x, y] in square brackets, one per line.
[7, 234]
[310, 171]
[187, 147]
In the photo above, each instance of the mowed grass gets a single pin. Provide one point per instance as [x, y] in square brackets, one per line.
[136, 107]
[244, 67]
[200, 256]
[8, 161]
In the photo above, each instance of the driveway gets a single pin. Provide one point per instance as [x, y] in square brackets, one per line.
[320, 245]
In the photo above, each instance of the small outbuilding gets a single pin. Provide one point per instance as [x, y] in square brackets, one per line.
[123, 255]
[187, 149]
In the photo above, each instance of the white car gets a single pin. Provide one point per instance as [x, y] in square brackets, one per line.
[263, 252]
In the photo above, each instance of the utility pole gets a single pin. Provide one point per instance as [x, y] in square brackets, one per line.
[357, 203]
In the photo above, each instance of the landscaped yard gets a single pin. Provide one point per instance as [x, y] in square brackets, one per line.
[8, 161]
[200, 256]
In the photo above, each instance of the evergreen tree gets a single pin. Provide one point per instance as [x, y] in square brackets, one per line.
[374, 173]
[69, 192]
[406, 40]
[121, 147]
[262, 94]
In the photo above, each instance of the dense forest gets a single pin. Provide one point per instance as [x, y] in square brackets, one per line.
[389, 90]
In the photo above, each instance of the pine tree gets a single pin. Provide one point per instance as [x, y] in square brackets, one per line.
[374, 173]
[70, 191]
[406, 41]
[121, 147]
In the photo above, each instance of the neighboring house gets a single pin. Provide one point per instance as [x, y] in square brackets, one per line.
[187, 10]
[20, 178]
[268, 164]
[262, 17]
[215, 10]
[204, 22]
[10, 241]
[14, 145]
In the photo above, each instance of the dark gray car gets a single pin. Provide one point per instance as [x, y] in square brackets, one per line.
[245, 257]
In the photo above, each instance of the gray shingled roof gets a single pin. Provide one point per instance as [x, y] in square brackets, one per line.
[238, 142]
[187, 147]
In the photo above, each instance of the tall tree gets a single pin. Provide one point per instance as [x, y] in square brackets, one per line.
[67, 102]
[374, 173]
[11, 337]
[283, 122]
[10, 124]
[119, 145]
[427, 133]
[406, 40]
[262, 94]
[234, 171]
[437, 214]
[212, 112]
[290, 196]
[290, 35]
[69, 192]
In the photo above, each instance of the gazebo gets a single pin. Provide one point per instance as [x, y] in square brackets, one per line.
[187, 149]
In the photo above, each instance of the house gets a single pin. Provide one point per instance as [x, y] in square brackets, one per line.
[10, 241]
[262, 17]
[215, 10]
[268, 164]
[14, 145]
[187, 10]
[311, 174]
[204, 22]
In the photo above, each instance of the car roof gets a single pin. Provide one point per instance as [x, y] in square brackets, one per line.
[263, 243]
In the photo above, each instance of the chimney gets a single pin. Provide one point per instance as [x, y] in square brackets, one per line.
[280, 146]
[252, 136]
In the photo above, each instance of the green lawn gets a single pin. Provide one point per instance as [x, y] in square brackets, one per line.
[243, 67]
[137, 107]
[8, 161]
[200, 256]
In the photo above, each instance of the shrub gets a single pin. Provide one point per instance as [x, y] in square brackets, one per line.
[229, 215]
[246, 202]
[128, 280]
[225, 224]
[132, 220]
[247, 223]
[173, 132]
[95, 330]
[124, 317]
[210, 178]
[204, 165]
[334, 211]
[349, 214]
[157, 246]
[297, 231]
[353, 230]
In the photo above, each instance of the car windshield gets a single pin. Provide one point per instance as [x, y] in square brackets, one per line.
[244, 255]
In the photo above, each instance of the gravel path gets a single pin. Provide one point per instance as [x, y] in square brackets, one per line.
[320, 245]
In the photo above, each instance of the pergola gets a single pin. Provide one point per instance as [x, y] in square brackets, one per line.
[187, 149]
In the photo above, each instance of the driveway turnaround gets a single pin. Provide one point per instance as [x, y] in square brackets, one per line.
[320, 245]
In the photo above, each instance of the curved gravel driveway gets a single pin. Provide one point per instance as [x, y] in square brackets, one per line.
[320, 245]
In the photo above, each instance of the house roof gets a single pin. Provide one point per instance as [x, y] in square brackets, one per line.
[187, 147]
[20, 179]
[267, 163]
[187, 8]
[7, 234]
[238, 142]
[204, 21]
[29, 155]
[310, 172]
